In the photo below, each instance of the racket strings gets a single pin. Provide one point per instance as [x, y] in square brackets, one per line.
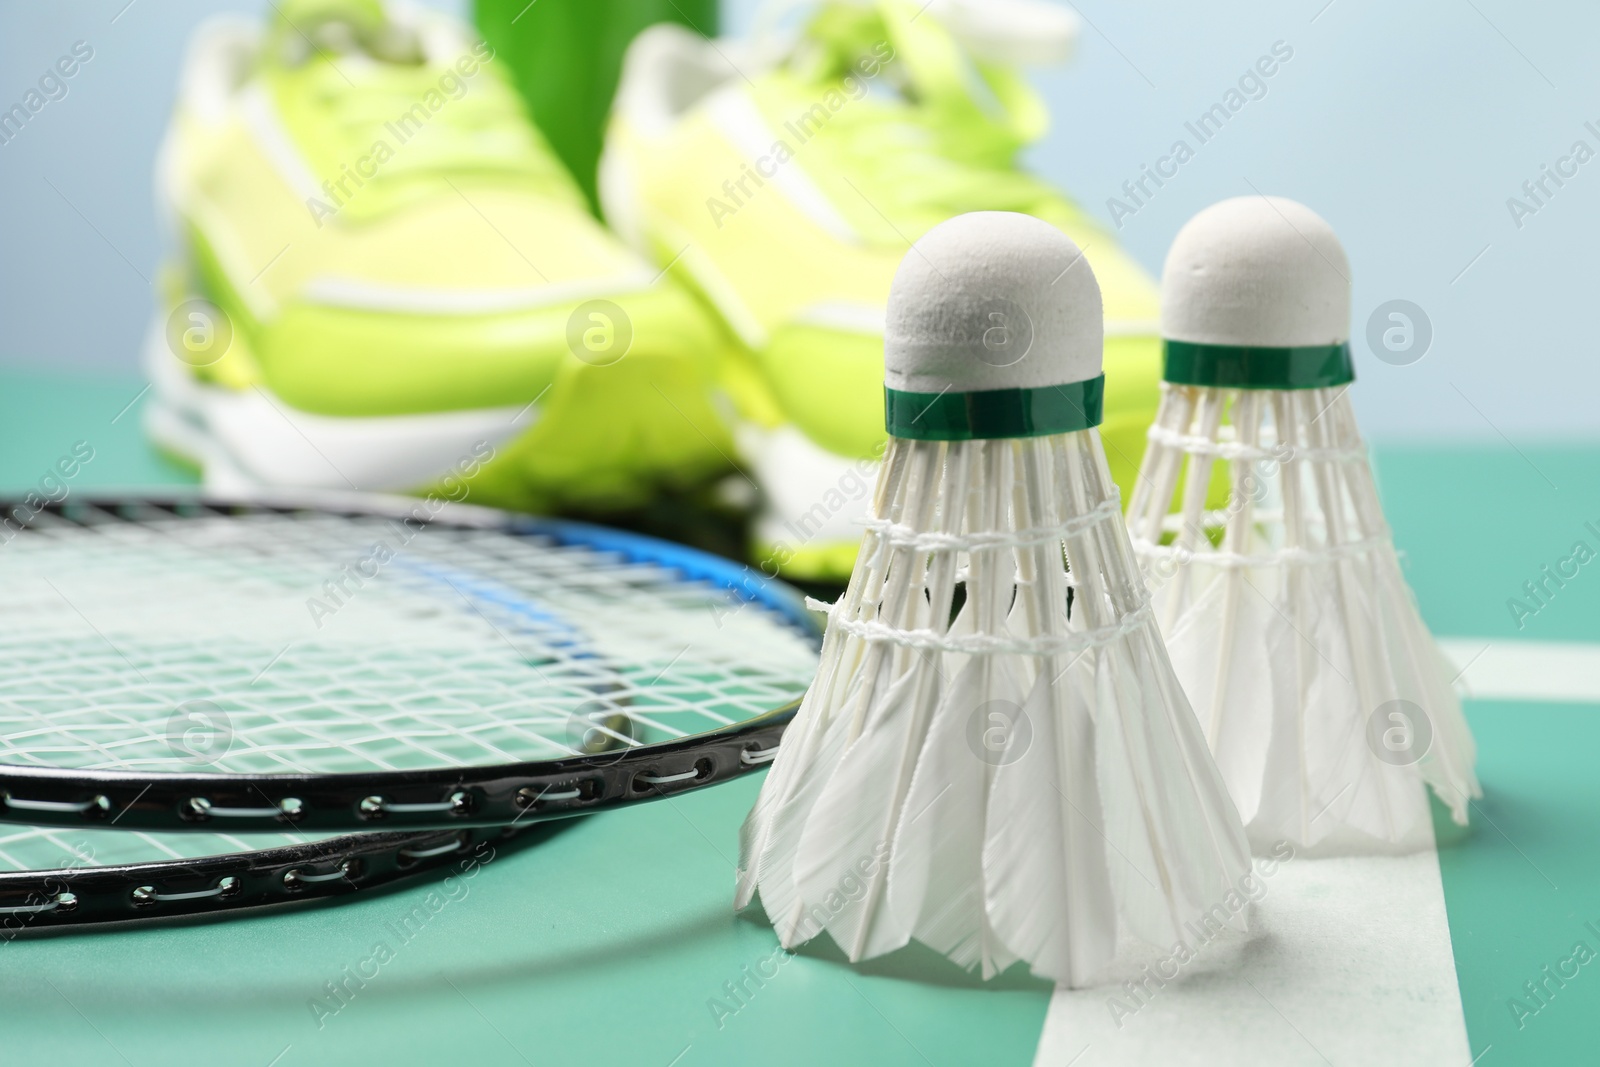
[32, 848]
[319, 643]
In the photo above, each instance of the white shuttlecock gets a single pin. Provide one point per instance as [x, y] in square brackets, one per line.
[1323, 696]
[1026, 782]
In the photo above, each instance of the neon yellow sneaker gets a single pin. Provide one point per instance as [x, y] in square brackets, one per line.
[386, 280]
[784, 186]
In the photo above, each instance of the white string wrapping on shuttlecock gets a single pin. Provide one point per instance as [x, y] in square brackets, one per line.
[1280, 557]
[1226, 446]
[899, 535]
[982, 645]
[893, 535]
[1321, 692]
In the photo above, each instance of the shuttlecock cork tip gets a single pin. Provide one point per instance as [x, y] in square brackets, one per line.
[992, 300]
[1256, 271]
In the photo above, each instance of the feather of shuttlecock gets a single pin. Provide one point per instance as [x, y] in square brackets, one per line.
[995, 759]
[1287, 616]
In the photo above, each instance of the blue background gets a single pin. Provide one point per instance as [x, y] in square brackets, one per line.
[1406, 126]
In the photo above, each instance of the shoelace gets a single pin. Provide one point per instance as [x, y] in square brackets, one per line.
[480, 132]
[376, 75]
[949, 144]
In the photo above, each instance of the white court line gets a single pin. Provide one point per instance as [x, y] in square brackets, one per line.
[1542, 671]
[1352, 962]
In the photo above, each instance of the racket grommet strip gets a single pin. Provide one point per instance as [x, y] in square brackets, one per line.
[458, 803]
[93, 808]
[62, 902]
[146, 895]
[529, 797]
[701, 769]
[199, 809]
[412, 855]
[295, 879]
[751, 757]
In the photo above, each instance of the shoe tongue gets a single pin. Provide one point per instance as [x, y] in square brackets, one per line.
[302, 28]
[1024, 32]
[312, 17]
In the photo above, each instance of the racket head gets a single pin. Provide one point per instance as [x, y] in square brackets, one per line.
[373, 663]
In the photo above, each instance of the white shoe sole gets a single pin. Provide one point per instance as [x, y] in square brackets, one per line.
[251, 439]
[813, 497]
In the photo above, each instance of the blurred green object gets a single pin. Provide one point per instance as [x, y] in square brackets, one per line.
[565, 56]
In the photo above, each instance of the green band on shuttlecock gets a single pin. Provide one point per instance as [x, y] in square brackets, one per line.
[992, 413]
[1238, 367]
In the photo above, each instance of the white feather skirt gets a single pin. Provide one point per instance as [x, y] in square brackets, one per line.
[1321, 692]
[1006, 779]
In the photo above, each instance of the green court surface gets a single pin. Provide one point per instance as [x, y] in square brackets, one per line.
[612, 940]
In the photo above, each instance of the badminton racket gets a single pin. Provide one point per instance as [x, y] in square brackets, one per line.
[324, 664]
